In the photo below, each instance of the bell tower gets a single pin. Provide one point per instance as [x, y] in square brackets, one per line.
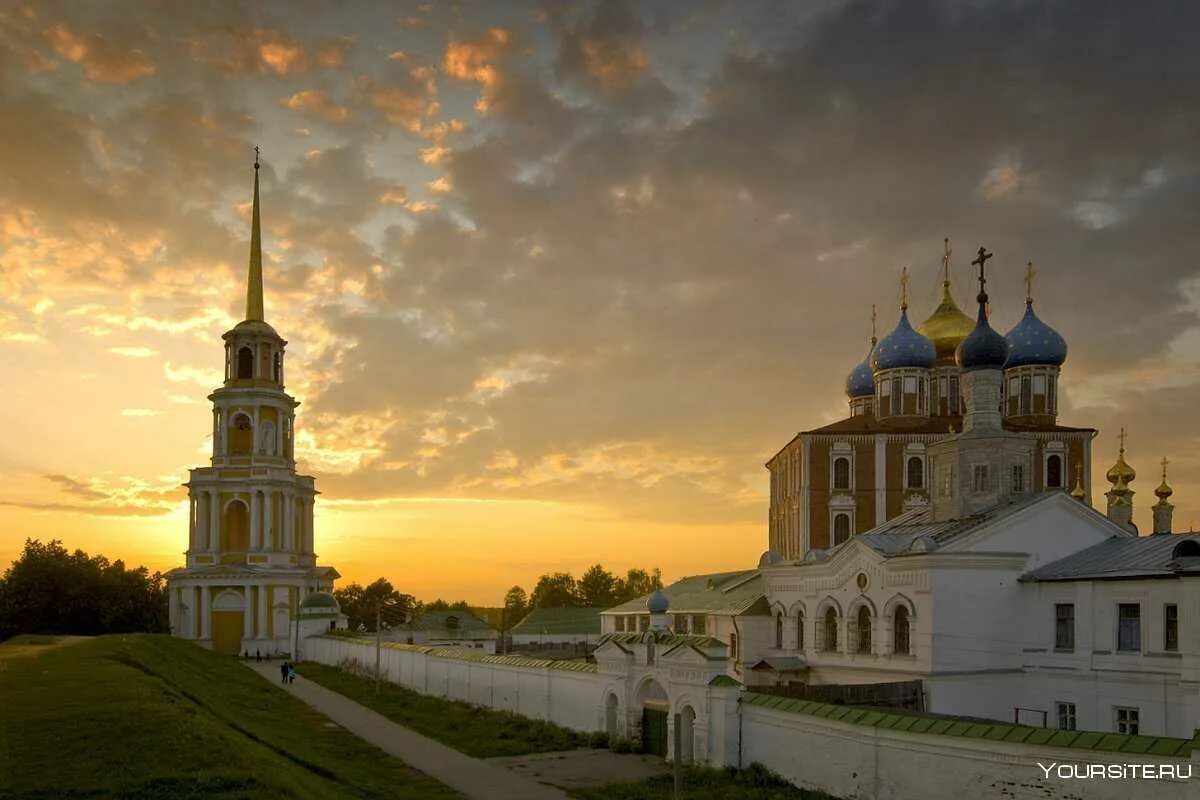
[250, 544]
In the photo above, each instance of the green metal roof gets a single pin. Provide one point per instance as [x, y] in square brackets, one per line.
[898, 719]
[452, 623]
[559, 620]
[718, 593]
[464, 654]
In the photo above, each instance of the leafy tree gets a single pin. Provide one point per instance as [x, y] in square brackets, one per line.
[360, 604]
[638, 582]
[445, 605]
[598, 587]
[516, 606]
[50, 590]
[555, 590]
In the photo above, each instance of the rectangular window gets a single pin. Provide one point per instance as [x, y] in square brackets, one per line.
[980, 481]
[1129, 628]
[910, 385]
[1018, 478]
[1126, 720]
[699, 624]
[643, 624]
[733, 646]
[955, 407]
[1170, 627]
[1066, 716]
[885, 389]
[681, 623]
[1039, 384]
[619, 624]
[1064, 626]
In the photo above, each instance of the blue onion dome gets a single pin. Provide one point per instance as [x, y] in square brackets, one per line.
[1032, 341]
[860, 382]
[984, 348]
[903, 347]
[657, 602]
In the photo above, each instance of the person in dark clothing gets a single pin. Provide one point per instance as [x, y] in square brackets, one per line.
[258, 656]
[283, 672]
[291, 673]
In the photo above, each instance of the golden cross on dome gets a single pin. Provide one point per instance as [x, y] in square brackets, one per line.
[904, 288]
[1121, 436]
[1030, 272]
[946, 260]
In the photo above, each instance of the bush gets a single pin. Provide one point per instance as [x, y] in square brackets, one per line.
[619, 744]
[598, 740]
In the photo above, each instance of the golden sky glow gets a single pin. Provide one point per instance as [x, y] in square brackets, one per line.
[558, 279]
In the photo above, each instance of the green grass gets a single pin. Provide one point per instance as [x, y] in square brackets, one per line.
[478, 732]
[141, 716]
[703, 783]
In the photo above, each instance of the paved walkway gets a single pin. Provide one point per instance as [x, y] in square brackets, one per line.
[472, 777]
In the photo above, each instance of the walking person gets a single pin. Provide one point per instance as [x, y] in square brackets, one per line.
[283, 672]
[291, 675]
[258, 656]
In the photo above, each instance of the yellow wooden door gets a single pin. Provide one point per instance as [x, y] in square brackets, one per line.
[227, 631]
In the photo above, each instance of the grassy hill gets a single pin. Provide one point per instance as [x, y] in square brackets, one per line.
[154, 717]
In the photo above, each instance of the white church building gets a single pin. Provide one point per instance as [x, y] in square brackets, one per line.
[251, 561]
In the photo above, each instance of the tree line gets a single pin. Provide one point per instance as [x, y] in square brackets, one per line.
[596, 588]
[50, 590]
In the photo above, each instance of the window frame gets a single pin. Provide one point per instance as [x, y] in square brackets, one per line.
[1170, 627]
[1127, 625]
[1065, 711]
[901, 613]
[1126, 720]
[1064, 628]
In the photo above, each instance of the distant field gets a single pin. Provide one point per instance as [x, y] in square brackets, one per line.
[479, 732]
[148, 717]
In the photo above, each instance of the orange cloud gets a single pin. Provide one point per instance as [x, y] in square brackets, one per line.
[401, 106]
[331, 52]
[473, 60]
[440, 185]
[102, 60]
[611, 64]
[241, 52]
[393, 195]
[317, 103]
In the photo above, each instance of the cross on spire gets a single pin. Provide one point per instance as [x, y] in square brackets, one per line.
[1122, 436]
[1030, 272]
[904, 289]
[256, 156]
[874, 338]
[981, 262]
[1164, 466]
[946, 261]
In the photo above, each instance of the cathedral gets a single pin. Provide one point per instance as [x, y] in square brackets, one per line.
[251, 566]
[840, 480]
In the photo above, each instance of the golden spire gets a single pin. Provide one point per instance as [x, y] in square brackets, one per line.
[1121, 472]
[1030, 272]
[904, 289]
[1078, 492]
[254, 279]
[1163, 491]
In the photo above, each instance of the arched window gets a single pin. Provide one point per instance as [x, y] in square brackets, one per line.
[831, 626]
[800, 630]
[863, 629]
[779, 631]
[916, 473]
[841, 528]
[1054, 472]
[841, 473]
[245, 363]
[1026, 395]
[900, 628]
[241, 436]
[277, 369]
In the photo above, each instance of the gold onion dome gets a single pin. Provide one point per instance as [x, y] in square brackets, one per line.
[1164, 490]
[1078, 492]
[1121, 472]
[947, 326]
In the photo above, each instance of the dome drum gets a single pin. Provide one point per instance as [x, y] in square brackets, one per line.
[1031, 393]
[901, 393]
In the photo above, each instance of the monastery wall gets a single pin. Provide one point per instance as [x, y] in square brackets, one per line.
[566, 693]
[865, 761]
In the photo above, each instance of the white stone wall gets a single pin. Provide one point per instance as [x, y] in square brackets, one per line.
[870, 763]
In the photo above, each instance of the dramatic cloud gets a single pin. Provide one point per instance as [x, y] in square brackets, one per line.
[558, 278]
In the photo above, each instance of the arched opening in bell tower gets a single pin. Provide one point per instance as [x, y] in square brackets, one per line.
[235, 530]
[241, 435]
[245, 363]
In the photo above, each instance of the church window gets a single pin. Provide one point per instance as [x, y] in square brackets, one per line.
[1051, 383]
[916, 473]
[1054, 472]
[1066, 716]
[897, 397]
[910, 385]
[1126, 720]
[1129, 627]
[943, 396]
[800, 630]
[900, 632]
[841, 528]
[1026, 395]
[1039, 384]
[831, 631]
[863, 626]
[980, 481]
[1064, 626]
[921, 397]
[681, 623]
[779, 631]
[619, 624]
[955, 407]
[1170, 627]
[1018, 478]
[245, 363]
[277, 369]
[241, 437]
[699, 624]
[841, 473]
[733, 646]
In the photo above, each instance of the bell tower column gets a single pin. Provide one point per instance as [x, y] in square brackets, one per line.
[214, 520]
[255, 512]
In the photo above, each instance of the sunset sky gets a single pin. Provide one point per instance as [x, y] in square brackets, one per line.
[558, 278]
